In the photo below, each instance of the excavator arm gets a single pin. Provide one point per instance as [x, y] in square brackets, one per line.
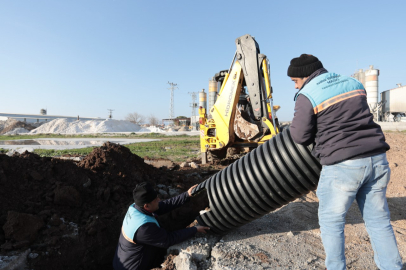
[243, 113]
[248, 55]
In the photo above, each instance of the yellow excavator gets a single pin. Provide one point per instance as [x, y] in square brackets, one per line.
[243, 115]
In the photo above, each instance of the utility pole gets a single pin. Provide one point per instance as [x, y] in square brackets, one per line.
[171, 109]
[110, 113]
[193, 104]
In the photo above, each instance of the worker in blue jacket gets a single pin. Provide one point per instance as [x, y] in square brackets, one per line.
[332, 112]
[143, 243]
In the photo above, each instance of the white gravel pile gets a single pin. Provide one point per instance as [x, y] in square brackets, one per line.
[70, 126]
[17, 131]
[151, 129]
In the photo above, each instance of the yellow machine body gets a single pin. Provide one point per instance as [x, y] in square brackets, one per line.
[230, 127]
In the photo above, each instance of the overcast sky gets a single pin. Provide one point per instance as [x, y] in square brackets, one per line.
[85, 57]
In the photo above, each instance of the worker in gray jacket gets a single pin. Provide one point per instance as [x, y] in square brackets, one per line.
[332, 112]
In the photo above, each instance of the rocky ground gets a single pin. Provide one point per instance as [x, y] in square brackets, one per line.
[289, 238]
[62, 214]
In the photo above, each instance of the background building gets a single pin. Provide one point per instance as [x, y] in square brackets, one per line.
[42, 117]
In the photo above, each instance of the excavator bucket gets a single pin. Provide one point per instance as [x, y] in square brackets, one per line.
[243, 128]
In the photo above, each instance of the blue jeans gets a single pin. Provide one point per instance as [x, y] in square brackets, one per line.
[364, 180]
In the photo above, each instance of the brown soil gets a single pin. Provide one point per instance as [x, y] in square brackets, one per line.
[71, 213]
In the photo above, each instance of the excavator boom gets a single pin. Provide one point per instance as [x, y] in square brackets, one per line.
[243, 114]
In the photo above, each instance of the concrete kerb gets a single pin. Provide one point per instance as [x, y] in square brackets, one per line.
[392, 126]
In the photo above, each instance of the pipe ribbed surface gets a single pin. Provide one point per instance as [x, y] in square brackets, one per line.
[272, 175]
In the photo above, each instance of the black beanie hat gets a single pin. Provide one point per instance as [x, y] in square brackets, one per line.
[304, 66]
[144, 193]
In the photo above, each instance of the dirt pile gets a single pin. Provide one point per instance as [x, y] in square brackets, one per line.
[12, 124]
[69, 213]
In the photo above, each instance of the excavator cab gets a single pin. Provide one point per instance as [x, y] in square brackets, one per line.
[243, 114]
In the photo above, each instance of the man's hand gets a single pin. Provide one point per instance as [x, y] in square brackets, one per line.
[190, 190]
[202, 229]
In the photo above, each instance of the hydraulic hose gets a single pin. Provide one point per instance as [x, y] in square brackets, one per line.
[270, 176]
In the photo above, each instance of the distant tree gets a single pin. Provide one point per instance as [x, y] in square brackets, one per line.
[135, 118]
[153, 120]
[177, 122]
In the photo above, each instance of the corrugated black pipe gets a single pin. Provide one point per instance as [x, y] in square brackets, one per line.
[272, 175]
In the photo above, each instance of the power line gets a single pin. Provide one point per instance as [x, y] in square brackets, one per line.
[110, 113]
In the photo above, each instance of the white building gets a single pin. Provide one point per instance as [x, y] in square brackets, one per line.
[37, 118]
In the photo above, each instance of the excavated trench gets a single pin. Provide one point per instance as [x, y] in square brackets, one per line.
[69, 214]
